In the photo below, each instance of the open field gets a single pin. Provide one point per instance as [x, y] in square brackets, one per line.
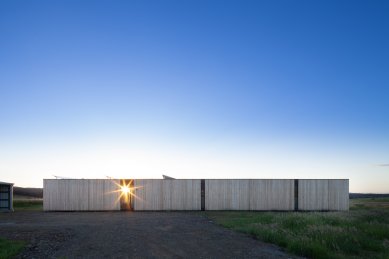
[27, 198]
[363, 232]
[28, 204]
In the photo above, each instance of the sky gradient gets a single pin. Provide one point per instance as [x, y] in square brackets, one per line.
[195, 89]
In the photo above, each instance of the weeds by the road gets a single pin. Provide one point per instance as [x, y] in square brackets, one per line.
[10, 248]
[363, 232]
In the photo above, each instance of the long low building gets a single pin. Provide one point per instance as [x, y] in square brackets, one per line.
[196, 194]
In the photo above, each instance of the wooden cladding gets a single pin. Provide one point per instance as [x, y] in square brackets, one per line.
[166, 194]
[323, 195]
[80, 195]
[196, 194]
[249, 194]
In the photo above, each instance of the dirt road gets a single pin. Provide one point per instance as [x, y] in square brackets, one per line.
[129, 235]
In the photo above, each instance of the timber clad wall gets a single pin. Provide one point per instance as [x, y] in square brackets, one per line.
[167, 194]
[323, 195]
[80, 195]
[219, 194]
[249, 194]
[272, 195]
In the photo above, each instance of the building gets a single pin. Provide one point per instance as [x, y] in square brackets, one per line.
[196, 194]
[6, 196]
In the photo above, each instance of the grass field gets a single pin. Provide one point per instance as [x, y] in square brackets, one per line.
[10, 248]
[28, 204]
[363, 232]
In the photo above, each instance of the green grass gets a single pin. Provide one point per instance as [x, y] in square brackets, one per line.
[363, 232]
[10, 248]
[28, 204]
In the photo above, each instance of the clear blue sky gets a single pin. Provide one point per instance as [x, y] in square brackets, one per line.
[219, 89]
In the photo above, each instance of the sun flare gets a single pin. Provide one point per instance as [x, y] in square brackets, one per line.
[125, 189]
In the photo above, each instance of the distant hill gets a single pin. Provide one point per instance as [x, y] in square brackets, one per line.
[368, 195]
[28, 193]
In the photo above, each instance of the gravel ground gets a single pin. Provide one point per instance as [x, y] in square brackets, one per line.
[129, 235]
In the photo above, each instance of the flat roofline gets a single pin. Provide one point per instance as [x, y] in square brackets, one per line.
[201, 179]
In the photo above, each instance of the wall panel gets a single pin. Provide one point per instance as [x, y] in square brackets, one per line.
[111, 197]
[338, 191]
[237, 194]
[80, 195]
[313, 194]
[269, 194]
[167, 194]
[223, 194]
